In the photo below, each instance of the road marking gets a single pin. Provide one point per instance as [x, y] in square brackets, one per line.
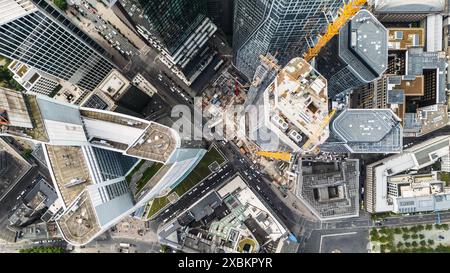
[333, 235]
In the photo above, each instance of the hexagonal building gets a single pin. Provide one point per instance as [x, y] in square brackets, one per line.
[358, 55]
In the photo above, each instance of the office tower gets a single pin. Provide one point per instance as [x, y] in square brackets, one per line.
[221, 13]
[277, 26]
[89, 152]
[362, 131]
[357, 56]
[180, 29]
[38, 34]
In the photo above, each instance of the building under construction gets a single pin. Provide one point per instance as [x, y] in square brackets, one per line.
[280, 126]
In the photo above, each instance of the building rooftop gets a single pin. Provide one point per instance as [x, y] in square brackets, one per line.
[79, 225]
[67, 165]
[418, 60]
[425, 120]
[13, 110]
[414, 158]
[330, 188]
[403, 38]
[363, 45]
[369, 130]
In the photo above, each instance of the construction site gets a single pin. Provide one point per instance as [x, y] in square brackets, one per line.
[278, 92]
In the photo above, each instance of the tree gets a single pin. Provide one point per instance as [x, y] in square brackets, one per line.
[421, 236]
[406, 236]
[429, 227]
[43, 249]
[405, 229]
[430, 242]
[414, 236]
[399, 245]
[374, 236]
[61, 4]
[407, 244]
[423, 243]
[415, 244]
[397, 231]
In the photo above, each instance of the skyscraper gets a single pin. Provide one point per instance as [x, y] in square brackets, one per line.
[357, 56]
[179, 28]
[89, 152]
[38, 34]
[173, 21]
[277, 26]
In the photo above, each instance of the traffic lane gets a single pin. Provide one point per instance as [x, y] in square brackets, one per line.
[109, 32]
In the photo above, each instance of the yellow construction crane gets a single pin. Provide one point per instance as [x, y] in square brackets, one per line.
[322, 125]
[344, 14]
[285, 156]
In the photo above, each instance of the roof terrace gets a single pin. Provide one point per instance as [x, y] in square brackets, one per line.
[79, 225]
[67, 165]
[157, 143]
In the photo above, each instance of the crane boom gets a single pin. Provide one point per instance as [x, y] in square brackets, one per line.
[275, 155]
[344, 14]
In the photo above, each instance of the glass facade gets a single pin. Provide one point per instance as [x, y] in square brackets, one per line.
[113, 164]
[276, 26]
[172, 21]
[47, 40]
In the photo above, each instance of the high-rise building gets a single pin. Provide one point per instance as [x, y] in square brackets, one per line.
[357, 56]
[280, 125]
[89, 152]
[277, 26]
[180, 29]
[221, 13]
[36, 33]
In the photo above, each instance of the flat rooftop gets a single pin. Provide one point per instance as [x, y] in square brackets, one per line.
[16, 110]
[359, 125]
[79, 224]
[368, 40]
[402, 38]
[330, 188]
[67, 163]
[363, 45]
[157, 143]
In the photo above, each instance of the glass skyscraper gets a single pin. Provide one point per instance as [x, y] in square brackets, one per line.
[277, 26]
[173, 21]
[37, 34]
